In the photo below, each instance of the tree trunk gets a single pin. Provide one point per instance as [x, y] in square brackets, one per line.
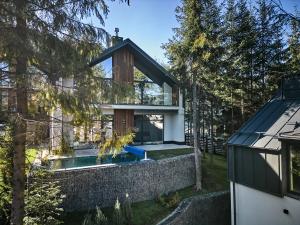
[17, 213]
[196, 148]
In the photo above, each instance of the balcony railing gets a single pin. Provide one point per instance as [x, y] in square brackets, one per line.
[137, 93]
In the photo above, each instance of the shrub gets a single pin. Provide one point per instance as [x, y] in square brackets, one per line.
[88, 220]
[117, 215]
[127, 210]
[43, 200]
[100, 218]
[173, 201]
[169, 201]
[161, 200]
[6, 165]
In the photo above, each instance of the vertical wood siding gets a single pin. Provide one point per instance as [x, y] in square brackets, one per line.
[123, 120]
[123, 63]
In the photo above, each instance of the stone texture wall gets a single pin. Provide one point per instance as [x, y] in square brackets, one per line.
[86, 188]
[210, 209]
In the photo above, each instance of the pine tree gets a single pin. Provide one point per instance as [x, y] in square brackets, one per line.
[195, 54]
[100, 218]
[270, 47]
[117, 214]
[294, 46]
[50, 37]
[127, 210]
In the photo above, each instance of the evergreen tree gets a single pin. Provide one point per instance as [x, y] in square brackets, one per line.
[50, 37]
[117, 214]
[270, 48]
[100, 218]
[127, 210]
[294, 46]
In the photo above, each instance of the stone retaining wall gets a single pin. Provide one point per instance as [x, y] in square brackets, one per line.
[86, 188]
[209, 209]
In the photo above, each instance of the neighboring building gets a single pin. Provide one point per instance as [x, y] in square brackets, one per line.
[264, 162]
[151, 103]
[37, 118]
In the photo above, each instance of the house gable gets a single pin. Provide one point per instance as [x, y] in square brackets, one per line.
[141, 60]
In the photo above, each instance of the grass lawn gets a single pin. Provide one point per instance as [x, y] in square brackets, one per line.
[150, 212]
[168, 153]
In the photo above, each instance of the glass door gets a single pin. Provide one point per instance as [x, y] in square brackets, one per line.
[149, 129]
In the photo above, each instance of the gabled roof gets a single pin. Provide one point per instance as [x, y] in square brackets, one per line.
[277, 119]
[141, 60]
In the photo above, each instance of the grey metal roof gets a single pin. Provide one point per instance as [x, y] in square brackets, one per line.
[141, 60]
[278, 118]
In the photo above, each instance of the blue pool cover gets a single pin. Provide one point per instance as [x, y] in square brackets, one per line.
[135, 150]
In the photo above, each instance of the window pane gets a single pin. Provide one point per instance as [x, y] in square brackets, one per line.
[295, 169]
[148, 128]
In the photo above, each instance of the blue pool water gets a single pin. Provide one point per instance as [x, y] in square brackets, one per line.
[92, 160]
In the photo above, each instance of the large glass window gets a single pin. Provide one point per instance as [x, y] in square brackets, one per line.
[294, 169]
[148, 128]
[147, 92]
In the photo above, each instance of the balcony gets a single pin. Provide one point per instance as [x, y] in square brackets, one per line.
[138, 93]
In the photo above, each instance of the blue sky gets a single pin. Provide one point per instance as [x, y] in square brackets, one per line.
[149, 23]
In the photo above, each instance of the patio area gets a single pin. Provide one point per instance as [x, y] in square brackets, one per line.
[162, 147]
[148, 148]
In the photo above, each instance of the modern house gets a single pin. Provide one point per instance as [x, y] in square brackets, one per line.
[142, 97]
[264, 162]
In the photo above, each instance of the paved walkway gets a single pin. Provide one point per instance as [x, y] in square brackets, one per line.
[161, 147]
[94, 152]
[157, 147]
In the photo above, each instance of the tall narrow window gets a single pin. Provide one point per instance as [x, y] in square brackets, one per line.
[294, 169]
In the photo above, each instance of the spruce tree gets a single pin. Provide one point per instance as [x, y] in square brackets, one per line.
[50, 37]
[294, 47]
[270, 47]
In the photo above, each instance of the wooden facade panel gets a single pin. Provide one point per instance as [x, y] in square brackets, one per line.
[123, 120]
[123, 65]
[175, 95]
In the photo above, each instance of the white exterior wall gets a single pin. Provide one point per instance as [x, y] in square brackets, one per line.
[254, 207]
[174, 124]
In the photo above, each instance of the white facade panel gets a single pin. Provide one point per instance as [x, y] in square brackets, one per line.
[254, 207]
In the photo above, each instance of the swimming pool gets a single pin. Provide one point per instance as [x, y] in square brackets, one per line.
[84, 161]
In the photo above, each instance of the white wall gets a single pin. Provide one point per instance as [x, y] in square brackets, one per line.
[174, 124]
[254, 207]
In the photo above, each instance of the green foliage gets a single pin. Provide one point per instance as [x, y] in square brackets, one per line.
[64, 148]
[100, 218]
[170, 201]
[6, 165]
[118, 218]
[43, 201]
[294, 46]
[127, 211]
[88, 220]
[115, 144]
[236, 56]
